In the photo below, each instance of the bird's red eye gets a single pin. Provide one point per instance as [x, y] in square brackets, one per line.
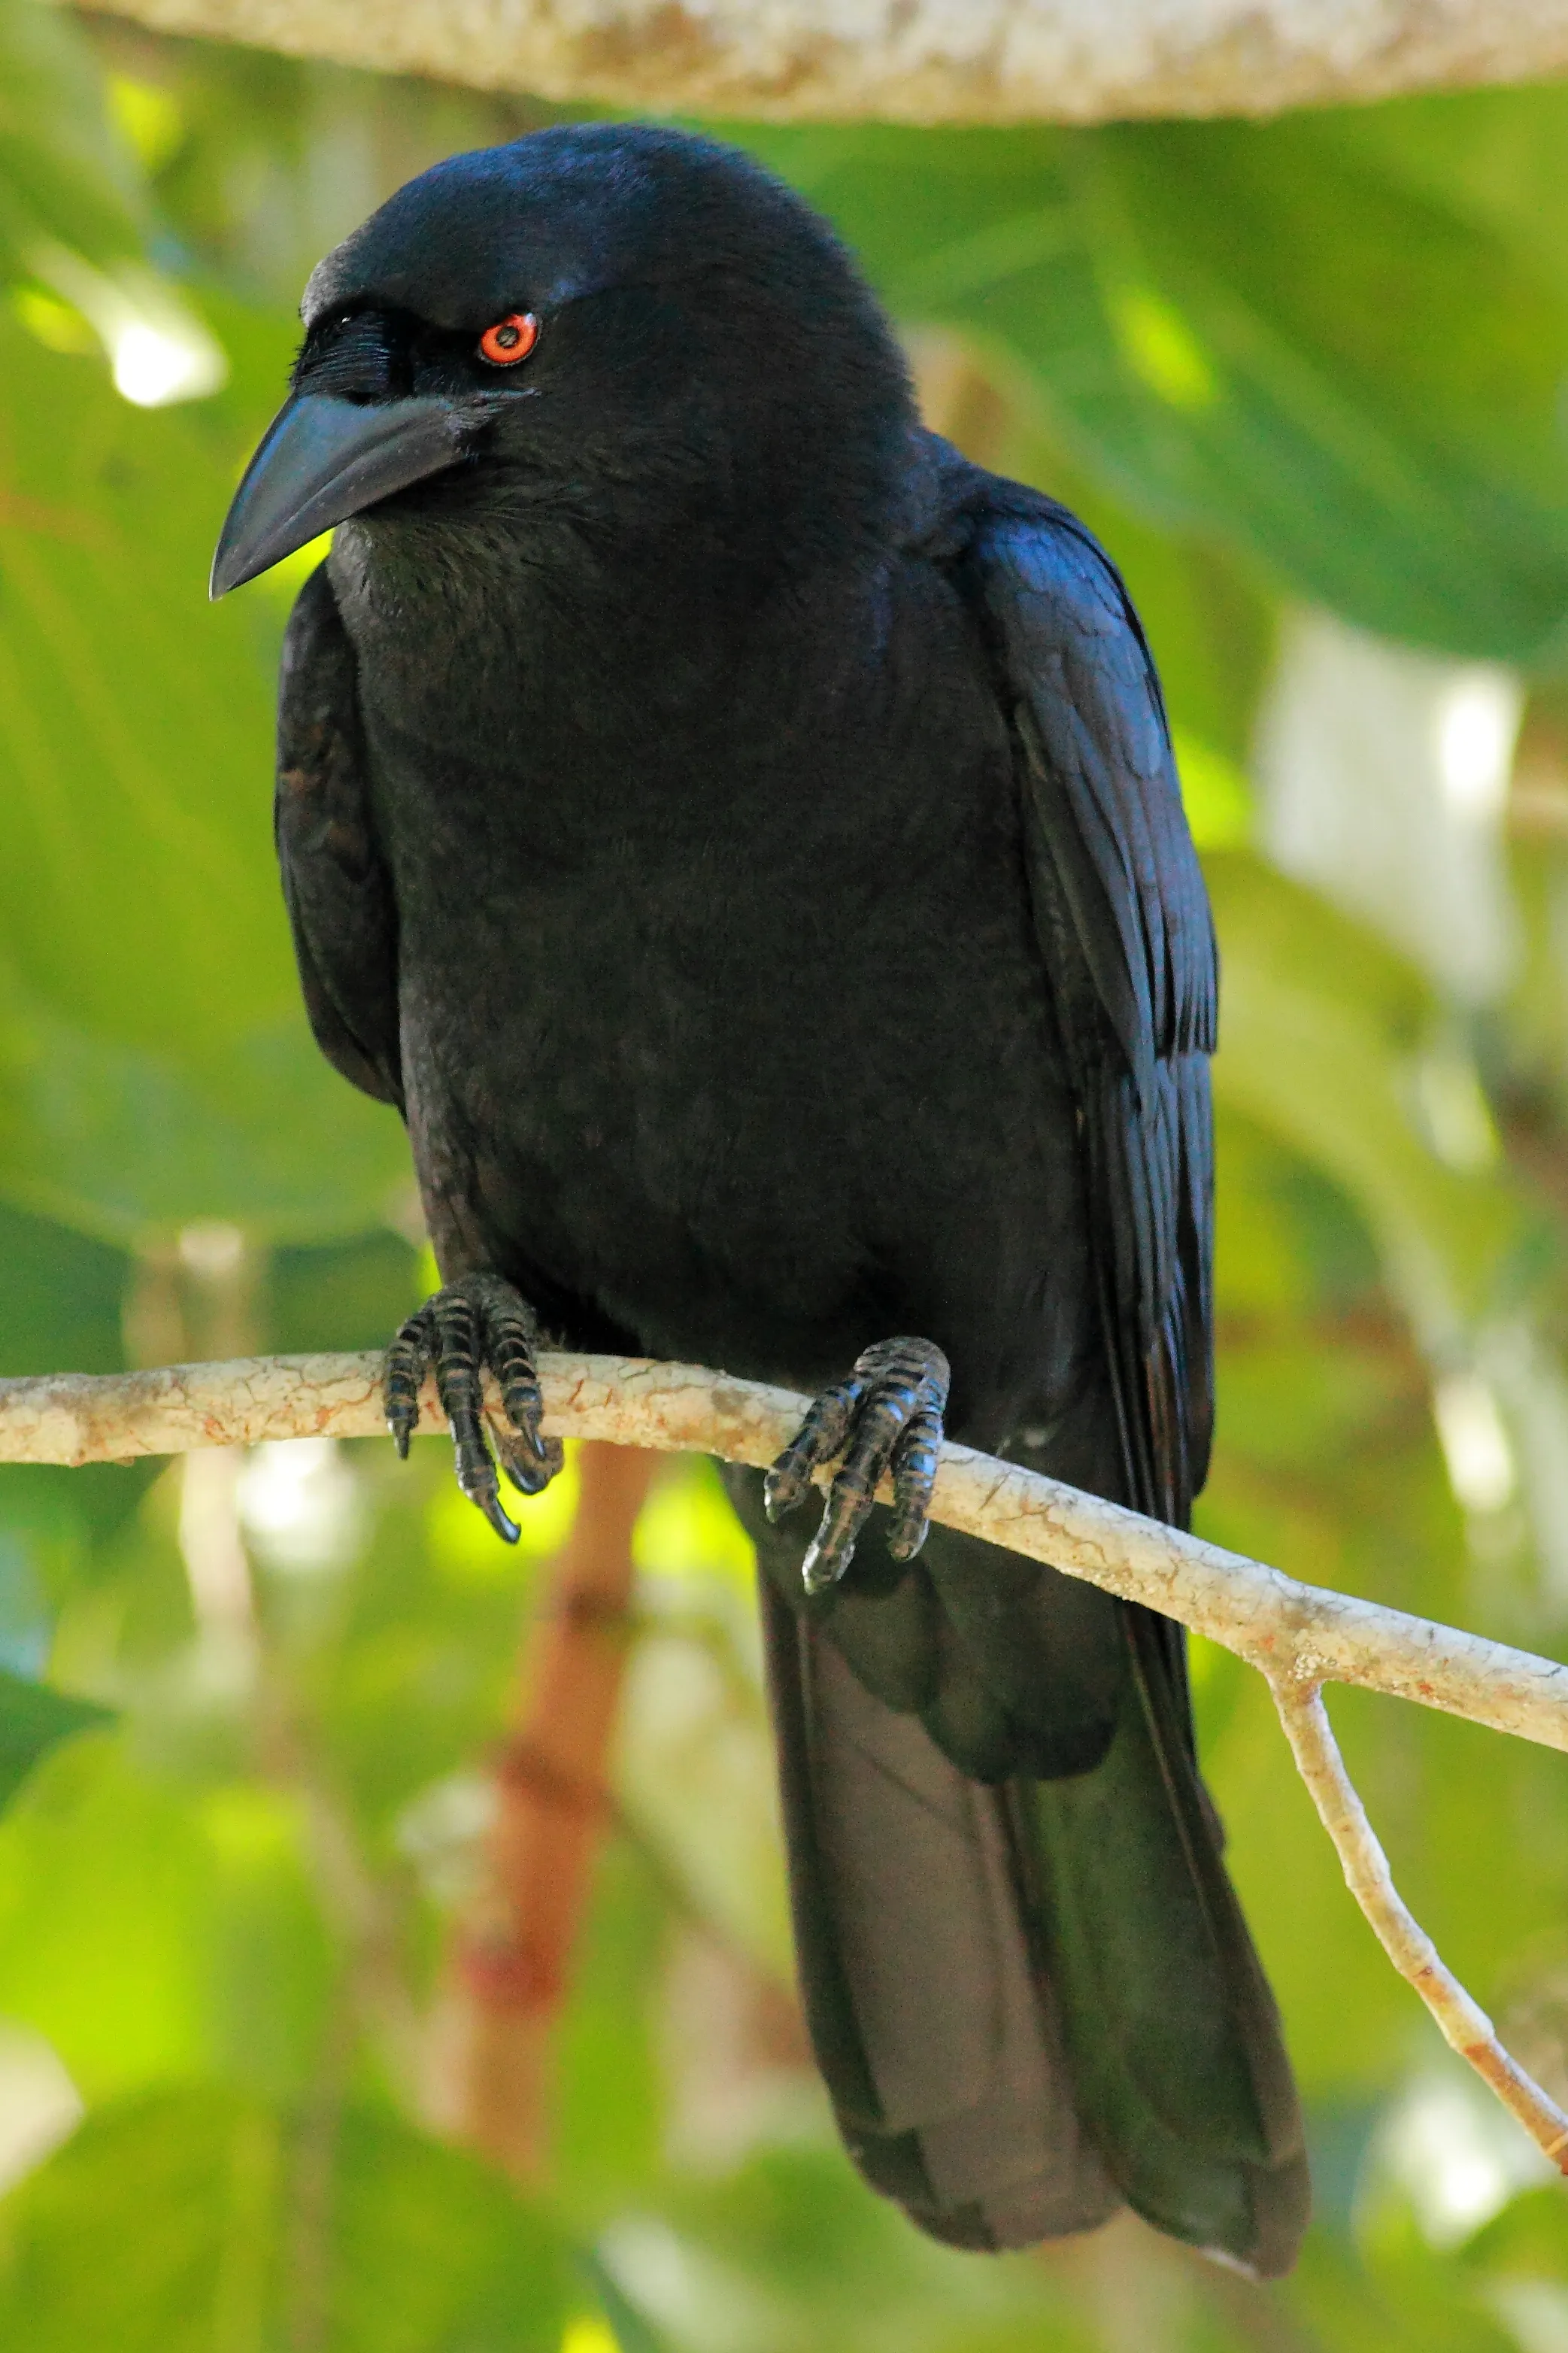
[510, 339]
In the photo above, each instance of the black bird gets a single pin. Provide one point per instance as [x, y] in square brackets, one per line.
[742, 840]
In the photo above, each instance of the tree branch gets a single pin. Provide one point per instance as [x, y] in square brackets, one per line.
[1295, 1633]
[1299, 1636]
[1465, 2027]
[914, 60]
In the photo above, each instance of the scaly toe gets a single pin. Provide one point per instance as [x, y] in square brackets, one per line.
[474, 1325]
[489, 1502]
[529, 1459]
[914, 1466]
[407, 1361]
[785, 1486]
[821, 1436]
[886, 1418]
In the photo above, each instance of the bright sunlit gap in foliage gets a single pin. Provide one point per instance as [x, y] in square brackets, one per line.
[1476, 722]
[301, 1505]
[1382, 772]
[153, 367]
[1534, 2312]
[1160, 348]
[159, 351]
[39, 2105]
[590, 2337]
[149, 117]
[1458, 2157]
[1476, 1445]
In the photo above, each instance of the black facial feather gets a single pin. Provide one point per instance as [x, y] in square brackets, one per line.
[361, 355]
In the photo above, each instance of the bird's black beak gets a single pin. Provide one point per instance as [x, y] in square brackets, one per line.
[321, 460]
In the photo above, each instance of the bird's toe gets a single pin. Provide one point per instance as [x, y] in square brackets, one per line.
[476, 1324]
[886, 1418]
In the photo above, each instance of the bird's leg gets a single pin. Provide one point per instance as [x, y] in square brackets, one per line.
[476, 1323]
[885, 1420]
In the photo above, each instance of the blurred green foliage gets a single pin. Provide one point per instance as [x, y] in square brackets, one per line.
[1322, 359]
[1263, 333]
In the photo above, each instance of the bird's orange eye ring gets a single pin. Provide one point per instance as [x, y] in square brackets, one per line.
[510, 339]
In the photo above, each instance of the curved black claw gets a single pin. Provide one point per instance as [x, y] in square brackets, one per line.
[476, 1323]
[886, 1420]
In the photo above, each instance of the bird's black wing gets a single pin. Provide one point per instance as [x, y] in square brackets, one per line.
[1028, 1982]
[1174, 2039]
[338, 891]
[1122, 920]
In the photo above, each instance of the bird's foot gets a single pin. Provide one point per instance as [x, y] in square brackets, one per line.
[475, 1324]
[885, 1420]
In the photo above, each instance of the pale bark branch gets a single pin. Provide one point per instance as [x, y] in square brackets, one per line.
[1293, 1632]
[1465, 2026]
[1299, 1636]
[914, 60]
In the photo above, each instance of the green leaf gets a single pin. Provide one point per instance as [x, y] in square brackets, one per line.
[187, 2219]
[61, 1298]
[1264, 330]
[63, 173]
[351, 1294]
[608, 2105]
[1319, 1025]
[789, 2249]
[633, 2333]
[1424, 2304]
[124, 1141]
[163, 1925]
[107, 1939]
[1529, 2238]
[155, 1063]
[136, 728]
[33, 1720]
[1378, 417]
[1493, 154]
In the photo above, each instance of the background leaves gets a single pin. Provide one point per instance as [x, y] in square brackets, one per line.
[1272, 333]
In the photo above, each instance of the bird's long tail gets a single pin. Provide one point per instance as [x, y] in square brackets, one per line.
[1034, 2001]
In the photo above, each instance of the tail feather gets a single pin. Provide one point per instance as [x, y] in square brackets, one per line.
[1173, 2036]
[1032, 2000]
[938, 2041]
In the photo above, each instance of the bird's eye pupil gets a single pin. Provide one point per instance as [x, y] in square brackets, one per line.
[510, 339]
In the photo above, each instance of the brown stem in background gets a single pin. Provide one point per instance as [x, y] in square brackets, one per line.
[513, 1960]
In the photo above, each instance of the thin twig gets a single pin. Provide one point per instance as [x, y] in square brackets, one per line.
[1297, 1632]
[1465, 2025]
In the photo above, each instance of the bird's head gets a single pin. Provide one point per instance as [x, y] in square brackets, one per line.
[627, 327]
